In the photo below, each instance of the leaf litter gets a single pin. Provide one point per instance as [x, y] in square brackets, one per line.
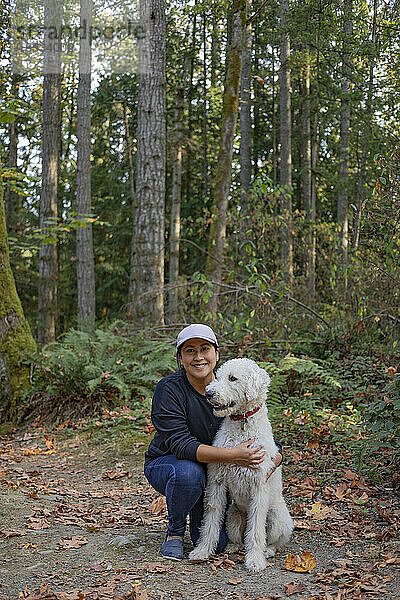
[75, 502]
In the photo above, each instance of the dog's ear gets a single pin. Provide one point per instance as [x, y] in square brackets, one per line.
[259, 383]
[265, 381]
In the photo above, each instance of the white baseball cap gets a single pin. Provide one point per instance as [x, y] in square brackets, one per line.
[197, 330]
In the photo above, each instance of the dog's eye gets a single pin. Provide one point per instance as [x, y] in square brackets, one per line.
[232, 378]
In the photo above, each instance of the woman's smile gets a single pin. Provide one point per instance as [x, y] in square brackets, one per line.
[199, 358]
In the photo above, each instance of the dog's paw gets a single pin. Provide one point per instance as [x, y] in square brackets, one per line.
[199, 553]
[255, 561]
[270, 551]
[232, 547]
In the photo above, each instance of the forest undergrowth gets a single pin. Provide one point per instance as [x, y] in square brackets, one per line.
[80, 522]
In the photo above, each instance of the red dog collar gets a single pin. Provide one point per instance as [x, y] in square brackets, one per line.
[245, 415]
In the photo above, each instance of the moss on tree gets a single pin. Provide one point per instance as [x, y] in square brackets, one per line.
[224, 163]
[15, 335]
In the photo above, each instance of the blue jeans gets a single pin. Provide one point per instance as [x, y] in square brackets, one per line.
[182, 482]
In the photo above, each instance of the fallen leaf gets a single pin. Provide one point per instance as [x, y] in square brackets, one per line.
[157, 568]
[31, 451]
[235, 581]
[292, 587]
[114, 474]
[12, 532]
[318, 511]
[300, 564]
[50, 442]
[75, 542]
[159, 506]
[37, 524]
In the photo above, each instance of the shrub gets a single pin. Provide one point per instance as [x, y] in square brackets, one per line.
[382, 418]
[297, 377]
[84, 364]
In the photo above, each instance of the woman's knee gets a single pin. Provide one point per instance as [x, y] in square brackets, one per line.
[190, 474]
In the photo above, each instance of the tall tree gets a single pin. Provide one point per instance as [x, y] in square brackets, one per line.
[84, 235]
[48, 272]
[286, 148]
[309, 206]
[175, 226]
[224, 162]
[245, 116]
[15, 334]
[366, 133]
[204, 103]
[147, 258]
[12, 203]
[344, 142]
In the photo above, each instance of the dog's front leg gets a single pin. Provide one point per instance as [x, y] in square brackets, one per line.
[214, 511]
[255, 536]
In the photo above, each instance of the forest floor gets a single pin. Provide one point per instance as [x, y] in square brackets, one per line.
[78, 521]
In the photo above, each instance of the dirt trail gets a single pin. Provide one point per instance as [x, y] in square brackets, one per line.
[76, 515]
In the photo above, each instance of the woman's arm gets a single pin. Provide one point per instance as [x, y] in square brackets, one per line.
[242, 455]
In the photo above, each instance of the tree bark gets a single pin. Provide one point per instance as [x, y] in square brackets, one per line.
[286, 150]
[224, 162]
[15, 335]
[147, 258]
[245, 118]
[215, 44]
[343, 175]
[48, 271]
[205, 145]
[189, 153]
[84, 235]
[366, 137]
[175, 227]
[129, 151]
[309, 206]
[12, 200]
[257, 100]
[314, 182]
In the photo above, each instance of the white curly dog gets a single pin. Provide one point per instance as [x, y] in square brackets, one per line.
[258, 512]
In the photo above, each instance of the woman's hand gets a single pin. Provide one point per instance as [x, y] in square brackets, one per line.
[276, 461]
[246, 456]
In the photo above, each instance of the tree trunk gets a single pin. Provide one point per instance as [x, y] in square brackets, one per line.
[245, 118]
[129, 152]
[48, 272]
[314, 181]
[12, 199]
[147, 259]
[205, 149]
[15, 335]
[306, 172]
[189, 153]
[343, 175]
[84, 235]
[366, 137]
[224, 162]
[286, 150]
[257, 100]
[215, 44]
[273, 110]
[175, 228]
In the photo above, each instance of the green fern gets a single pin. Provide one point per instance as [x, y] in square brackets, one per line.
[304, 372]
[83, 364]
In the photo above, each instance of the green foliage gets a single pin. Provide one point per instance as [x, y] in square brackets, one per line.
[382, 418]
[84, 364]
[299, 378]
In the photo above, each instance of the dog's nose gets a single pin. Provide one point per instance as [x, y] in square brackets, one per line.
[210, 393]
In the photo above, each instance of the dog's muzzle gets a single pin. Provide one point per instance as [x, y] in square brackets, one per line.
[211, 397]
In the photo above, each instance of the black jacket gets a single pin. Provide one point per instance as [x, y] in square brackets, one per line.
[183, 419]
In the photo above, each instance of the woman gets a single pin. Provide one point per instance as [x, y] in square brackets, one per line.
[175, 463]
